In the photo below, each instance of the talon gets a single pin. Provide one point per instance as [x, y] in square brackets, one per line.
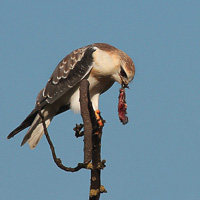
[100, 121]
[98, 118]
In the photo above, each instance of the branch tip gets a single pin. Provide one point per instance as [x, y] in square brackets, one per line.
[103, 189]
[101, 165]
[77, 129]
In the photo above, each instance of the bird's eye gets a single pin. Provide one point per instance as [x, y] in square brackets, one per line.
[123, 73]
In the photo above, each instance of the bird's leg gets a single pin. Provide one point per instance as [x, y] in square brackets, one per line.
[99, 120]
[99, 124]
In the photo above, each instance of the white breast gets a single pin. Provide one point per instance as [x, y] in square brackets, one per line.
[74, 101]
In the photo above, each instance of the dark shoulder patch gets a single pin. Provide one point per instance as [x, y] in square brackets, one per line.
[69, 72]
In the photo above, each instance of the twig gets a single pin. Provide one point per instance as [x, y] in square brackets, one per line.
[77, 129]
[57, 160]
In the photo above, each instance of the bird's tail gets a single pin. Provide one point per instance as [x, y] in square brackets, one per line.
[35, 132]
[26, 123]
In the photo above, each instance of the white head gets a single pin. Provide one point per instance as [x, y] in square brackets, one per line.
[115, 63]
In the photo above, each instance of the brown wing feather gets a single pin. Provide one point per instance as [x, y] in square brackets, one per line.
[70, 71]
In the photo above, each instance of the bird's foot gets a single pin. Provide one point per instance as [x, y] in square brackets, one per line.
[99, 118]
[100, 121]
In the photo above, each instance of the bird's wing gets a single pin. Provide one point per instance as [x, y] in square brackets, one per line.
[70, 71]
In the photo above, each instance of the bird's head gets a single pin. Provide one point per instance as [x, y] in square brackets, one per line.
[113, 62]
[125, 70]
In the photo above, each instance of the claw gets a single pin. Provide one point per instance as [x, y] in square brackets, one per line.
[98, 118]
[100, 121]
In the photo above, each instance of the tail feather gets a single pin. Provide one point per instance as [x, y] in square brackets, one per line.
[33, 126]
[26, 123]
[35, 132]
[36, 129]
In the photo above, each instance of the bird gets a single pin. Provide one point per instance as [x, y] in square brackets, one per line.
[100, 63]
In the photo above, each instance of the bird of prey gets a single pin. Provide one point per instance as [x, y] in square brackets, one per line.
[100, 63]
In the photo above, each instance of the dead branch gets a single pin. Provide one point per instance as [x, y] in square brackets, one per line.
[84, 104]
[57, 160]
[92, 141]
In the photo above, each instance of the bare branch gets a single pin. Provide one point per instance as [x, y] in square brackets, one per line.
[84, 103]
[57, 160]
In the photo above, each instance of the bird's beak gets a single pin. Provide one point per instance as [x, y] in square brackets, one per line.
[124, 83]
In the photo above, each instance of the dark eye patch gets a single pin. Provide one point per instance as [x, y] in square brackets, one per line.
[123, 73]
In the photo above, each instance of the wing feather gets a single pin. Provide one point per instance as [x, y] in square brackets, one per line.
[69, 72]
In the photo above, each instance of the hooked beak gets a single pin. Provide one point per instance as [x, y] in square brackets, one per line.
[124, 84]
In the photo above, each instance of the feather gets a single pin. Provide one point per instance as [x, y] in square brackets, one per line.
[35, 132]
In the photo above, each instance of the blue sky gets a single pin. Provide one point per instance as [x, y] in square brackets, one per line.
[157, 155]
